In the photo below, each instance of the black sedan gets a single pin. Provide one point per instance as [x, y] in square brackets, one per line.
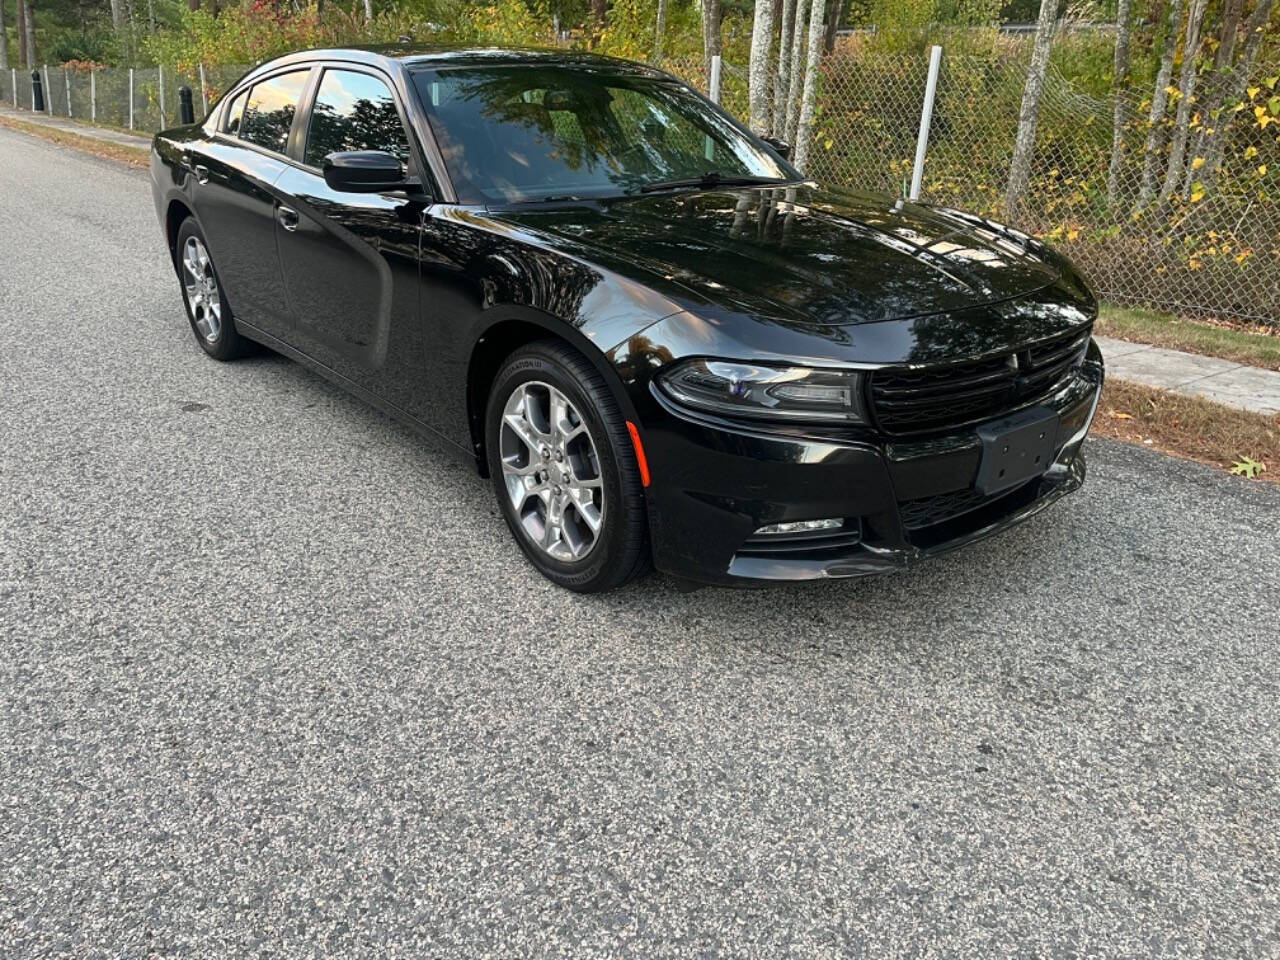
[662, 344]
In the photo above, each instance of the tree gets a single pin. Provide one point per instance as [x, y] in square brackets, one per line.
[1159, 104]
[712, 15]
[368, 11]
[4, 40]
[117, 15]
[797, 75]
[599, 18]
[1211, 100]
[1234, 85]
[804, 128]
[1186, 99]
[1029, 114]
[26, 27]
[1119, 82]
[760, 74]
[660, 31]
[833, 26]
[782, 79]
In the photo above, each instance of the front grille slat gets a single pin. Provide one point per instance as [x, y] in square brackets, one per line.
[926, 399]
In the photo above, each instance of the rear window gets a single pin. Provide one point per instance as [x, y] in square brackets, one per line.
[269, 113]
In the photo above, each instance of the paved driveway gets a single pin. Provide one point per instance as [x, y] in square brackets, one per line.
[274, 682]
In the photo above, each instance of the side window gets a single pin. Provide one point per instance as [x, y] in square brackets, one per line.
[236, 113]
[354, 111]
[269, 113]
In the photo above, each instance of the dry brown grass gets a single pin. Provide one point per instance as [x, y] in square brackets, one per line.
[101, 148]
[1189, 427]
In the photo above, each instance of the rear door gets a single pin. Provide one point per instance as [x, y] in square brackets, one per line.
[235, 201]
[350, 260]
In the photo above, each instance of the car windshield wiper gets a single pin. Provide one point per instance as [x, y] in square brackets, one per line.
[714, 178]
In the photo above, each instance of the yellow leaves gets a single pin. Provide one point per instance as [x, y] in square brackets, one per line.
[1174, 93]
[1253, 92]
[1194, 263]
[1072, 234]
[1197, 163]
[1122, 416]
[1242, 256]
[1197, 193]
[1250, 152]
[1262, 170]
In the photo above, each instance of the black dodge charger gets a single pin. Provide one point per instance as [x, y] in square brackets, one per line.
[663, 344]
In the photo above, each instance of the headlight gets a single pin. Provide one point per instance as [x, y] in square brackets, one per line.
[774, 393]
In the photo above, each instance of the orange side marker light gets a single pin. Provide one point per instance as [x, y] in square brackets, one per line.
[641, 460]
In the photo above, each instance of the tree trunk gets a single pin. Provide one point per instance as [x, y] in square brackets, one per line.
[1159, 103]
[833, 25]
[1236, 85]
[782, 79]
[760, 76]
[1211, 101]
[29, 35]
[1187, 88]
[1119, 83]
[192, 5]
[368, 11]
[660, 31]
[712, 14]
[1029, 114]
[804, 128]
[4, 40]
[599, 19]
[796, 85]
[117, 15]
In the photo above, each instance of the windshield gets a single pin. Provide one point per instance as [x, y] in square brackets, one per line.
[519, 132]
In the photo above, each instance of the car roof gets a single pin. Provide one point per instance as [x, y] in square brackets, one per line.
[413, 56]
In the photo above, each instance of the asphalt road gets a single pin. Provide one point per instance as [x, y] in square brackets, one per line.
[274, 682]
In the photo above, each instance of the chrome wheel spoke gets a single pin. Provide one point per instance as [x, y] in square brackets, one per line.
[551, 471]
[202, 289]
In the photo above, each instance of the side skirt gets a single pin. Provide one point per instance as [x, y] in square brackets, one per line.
[390, 409]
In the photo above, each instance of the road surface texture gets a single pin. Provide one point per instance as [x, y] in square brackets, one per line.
[274, 681]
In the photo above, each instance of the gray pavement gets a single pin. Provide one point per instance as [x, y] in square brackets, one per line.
[275, 682]
[120, 138]
[1223, 381]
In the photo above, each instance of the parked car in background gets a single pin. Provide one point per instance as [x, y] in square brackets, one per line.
[657, 339]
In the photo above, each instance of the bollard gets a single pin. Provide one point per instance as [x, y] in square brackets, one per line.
[186, 111]
[37, 92]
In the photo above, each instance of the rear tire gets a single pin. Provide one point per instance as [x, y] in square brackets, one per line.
[564, 470]
[207, 309]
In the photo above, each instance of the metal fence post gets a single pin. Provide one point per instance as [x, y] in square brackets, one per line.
[48, 92]
[926, 118]
[204, 97]
[131, 98]
[160, 69]
[93, 94]
[66, 79]
[13, 76]
[713, 87]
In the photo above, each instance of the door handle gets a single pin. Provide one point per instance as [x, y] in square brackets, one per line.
[202, 173]
[288, 217]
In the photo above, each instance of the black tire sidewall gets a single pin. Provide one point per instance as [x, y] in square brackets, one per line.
[602, 567]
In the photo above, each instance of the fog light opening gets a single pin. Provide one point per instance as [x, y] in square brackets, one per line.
[799, 526]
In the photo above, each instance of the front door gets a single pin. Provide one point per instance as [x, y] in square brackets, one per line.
[350, 260]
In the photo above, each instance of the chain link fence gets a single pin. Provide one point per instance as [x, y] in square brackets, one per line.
[1210, 248]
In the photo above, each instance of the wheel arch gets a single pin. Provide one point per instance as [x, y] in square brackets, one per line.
[175, 213]
[503, 336]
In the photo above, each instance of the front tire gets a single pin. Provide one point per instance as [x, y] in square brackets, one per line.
[207, 309]
[564, 471]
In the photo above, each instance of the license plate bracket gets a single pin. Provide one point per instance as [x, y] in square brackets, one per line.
[1016, 449]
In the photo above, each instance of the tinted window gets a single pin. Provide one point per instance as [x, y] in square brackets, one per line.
[235, 113]
[520, 133]
[354, 111]
[270, 111]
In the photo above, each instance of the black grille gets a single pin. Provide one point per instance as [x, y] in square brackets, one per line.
[927, 511]
[937, 398]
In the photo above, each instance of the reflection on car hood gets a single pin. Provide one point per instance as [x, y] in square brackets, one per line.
[805, 255]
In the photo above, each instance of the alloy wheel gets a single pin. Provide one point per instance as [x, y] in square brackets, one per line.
[552, 471]
[202, 289]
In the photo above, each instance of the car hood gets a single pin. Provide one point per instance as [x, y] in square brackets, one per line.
[809, 256]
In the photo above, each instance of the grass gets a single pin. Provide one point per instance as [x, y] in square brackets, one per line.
[1256, 349]
[102, 148]
[1189, 427]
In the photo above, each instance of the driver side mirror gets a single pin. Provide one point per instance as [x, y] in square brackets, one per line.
[780, 147]
[364, 171]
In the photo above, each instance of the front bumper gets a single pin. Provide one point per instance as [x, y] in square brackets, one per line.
[902, 500]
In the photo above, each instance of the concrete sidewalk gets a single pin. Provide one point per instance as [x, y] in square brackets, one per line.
[80, 129]
[1222, 381]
